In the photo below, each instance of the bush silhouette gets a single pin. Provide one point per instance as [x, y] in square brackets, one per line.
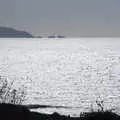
[100, 116]
[10, 95]
[14, 112]
[20, 112]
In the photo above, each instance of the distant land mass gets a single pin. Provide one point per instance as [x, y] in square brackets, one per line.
[6, 32]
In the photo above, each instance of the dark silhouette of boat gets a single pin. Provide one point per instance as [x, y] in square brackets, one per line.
[51, 36]
[60, 36]
[56, 36]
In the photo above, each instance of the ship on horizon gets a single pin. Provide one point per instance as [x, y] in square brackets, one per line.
[56, 36]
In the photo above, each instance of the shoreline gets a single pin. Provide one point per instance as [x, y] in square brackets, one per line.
[20, 112]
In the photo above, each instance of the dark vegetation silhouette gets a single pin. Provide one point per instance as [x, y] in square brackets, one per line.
[8, 94]
[13, 112]
[20, 112]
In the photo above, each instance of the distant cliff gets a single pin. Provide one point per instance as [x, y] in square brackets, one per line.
[6, 32]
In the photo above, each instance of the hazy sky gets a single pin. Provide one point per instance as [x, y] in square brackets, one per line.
[72, 18]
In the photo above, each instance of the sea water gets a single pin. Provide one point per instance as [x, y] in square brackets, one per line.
[69, 72]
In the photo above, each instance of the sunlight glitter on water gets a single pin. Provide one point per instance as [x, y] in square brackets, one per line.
[64, 72]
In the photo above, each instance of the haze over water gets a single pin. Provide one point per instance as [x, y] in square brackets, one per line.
[71, 72]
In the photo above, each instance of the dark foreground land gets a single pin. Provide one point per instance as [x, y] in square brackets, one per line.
[19, 112]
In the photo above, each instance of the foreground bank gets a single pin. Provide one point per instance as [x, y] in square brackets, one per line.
[20, 112]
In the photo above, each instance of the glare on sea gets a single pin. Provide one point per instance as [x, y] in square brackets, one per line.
[72, 72]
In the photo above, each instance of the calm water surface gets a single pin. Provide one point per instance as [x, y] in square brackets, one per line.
[71, 72]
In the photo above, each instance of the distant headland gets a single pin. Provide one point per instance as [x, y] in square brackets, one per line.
[7, 32]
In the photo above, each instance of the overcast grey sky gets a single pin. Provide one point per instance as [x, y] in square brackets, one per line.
[72, 18]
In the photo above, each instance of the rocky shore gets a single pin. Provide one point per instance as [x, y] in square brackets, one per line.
[20, 112]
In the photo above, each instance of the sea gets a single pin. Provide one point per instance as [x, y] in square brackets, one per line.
[72, 75]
